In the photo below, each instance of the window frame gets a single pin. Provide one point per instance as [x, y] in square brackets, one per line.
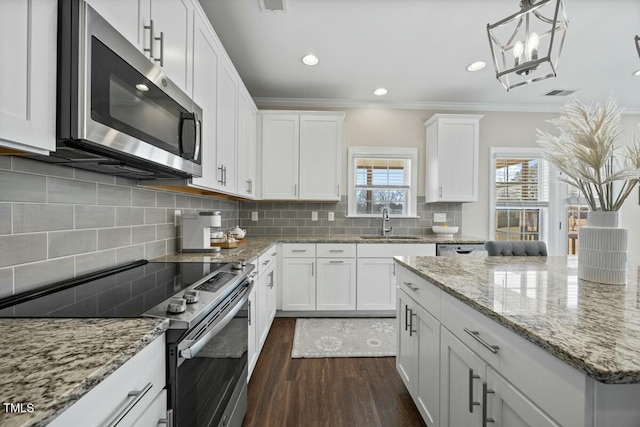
[545, 210]
[401, 153]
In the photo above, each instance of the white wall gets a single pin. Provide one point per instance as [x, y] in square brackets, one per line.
[377, 127]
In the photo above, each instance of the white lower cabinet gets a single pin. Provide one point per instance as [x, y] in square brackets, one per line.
[266, 302]
[299, 284]
[336, 284]
[252, 315]
[375, 286]
[130, 396]
[460, 371]
[418, 356]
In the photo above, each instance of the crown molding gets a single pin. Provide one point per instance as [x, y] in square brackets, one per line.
[439, 106]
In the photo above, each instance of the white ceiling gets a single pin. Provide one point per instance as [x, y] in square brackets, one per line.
[418, 50]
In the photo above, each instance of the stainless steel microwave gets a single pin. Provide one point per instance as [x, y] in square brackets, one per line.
[117, 111]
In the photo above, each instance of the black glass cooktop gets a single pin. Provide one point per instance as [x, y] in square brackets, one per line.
[126, 293]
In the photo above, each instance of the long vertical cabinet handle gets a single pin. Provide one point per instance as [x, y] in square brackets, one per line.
[161, 40]
[271, 279]
[406, 317]
[472, 403]
[312, 267]
[169, 420]
[394, 268]
[151, 39]
[411, 330]
[338, 190]
[485, 391]
[221, 169]
[295, 190]
[249, 311]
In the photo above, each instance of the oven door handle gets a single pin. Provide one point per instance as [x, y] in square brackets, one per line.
[192, 348]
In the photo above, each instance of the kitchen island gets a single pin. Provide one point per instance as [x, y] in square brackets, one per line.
[530, 319]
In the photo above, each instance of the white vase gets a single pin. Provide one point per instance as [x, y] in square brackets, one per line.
[602, 249]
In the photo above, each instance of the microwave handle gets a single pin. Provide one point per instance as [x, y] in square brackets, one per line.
[188, 136]
[198, 130]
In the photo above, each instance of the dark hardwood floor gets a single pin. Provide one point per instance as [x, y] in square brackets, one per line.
[335, 392]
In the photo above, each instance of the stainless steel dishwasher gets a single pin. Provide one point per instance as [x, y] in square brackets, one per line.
[474, 249]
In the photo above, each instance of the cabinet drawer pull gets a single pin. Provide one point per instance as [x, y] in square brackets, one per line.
[476, 336]
[265, 262]
[485, 391]
[410, 286]
[169, 420]
[472, 403]
[298, 250]
[274, 254]
[137, 395]
[336, 250]
[336, 262]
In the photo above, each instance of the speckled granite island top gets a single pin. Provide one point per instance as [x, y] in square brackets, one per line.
[257, 245]
[52, 363]
[592, 327]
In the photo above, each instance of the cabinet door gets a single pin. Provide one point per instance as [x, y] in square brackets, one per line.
[172, 22]
[376, 284]
[28, 32]
[280, 136]
[320, 154]
[128, 17]
[264, 282]
[298, 284]
[226, 122]
[246, 163]
[205, 70]
[252, 151]
[510, 408]
[427, 369]
[407, 350]
[336, 284]
[458, 160]
[252, 348]
[461, 376]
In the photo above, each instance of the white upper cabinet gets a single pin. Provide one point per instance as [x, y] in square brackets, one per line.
[452, 158]
[320, 156]
[161, 29]
[28, 75]
[205, 70]
[227, 111]
[246, 161]
[301, 155]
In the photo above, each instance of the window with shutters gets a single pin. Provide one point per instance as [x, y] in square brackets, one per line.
[520, 195]
[380, 177]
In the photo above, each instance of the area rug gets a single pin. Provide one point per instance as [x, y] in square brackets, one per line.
[362, 337]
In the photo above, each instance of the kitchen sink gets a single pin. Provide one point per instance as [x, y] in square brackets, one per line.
[391, 237]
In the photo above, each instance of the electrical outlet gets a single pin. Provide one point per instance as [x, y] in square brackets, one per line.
[330, 216]
[254, 216]
[439, 217]
[314, 216]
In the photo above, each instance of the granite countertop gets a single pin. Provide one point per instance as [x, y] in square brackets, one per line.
[257, 245]
[593, 327]
[52, 363]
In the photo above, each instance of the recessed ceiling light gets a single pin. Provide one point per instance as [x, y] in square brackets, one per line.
[380, 91]
[142, 87]
[310, 60]
[636, 73]
[476, 66]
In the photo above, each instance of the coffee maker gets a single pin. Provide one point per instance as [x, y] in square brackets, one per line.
[196, 230]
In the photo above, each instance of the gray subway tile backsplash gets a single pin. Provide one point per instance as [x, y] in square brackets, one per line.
[58, 222]
[63, 243]
[284, 218]
[22, 187]
[41, 217]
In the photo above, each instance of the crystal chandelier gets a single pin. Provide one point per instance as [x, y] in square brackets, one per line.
[526, 46]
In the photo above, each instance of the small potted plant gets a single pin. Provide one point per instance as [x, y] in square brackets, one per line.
[586, 155]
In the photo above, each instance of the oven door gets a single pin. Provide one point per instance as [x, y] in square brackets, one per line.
[128, 104]
[208, 371]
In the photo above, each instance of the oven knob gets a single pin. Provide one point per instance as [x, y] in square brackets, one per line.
[191, 296]
[177, 305]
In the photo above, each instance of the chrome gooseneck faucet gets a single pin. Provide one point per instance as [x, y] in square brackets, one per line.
[385, 218]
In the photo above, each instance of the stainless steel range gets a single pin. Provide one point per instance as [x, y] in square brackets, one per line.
[206, 304]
